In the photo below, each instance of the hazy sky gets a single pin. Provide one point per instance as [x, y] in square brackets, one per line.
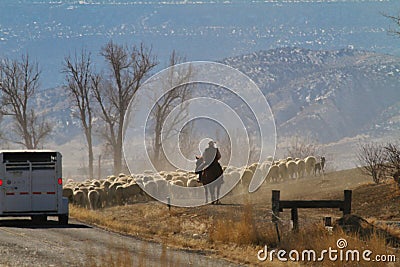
[207, 30]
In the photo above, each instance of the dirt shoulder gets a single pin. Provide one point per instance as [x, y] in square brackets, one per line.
[238, 228]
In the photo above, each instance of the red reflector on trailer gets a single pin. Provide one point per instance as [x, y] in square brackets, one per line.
[1, 182]
[36, 193]
[60, 181]
[24, 193]
[51, 193]
[10, 194]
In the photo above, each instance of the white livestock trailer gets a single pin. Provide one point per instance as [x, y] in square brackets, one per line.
[31, 185]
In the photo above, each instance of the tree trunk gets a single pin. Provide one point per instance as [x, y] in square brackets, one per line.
[117, 161]
[118, 148]
[90, 154]
[99, 167]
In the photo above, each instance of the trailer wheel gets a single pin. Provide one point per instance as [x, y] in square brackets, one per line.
[39, 219]
[63, 219]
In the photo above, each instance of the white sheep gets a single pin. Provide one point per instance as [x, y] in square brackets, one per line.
[162, 188]
[246, 178]
[94, 199]
[283, 170]
[112, 199]
[122, 179]
[301, 168]
[169, 177]
[178, 183]
[95, 183]
[103, 196]
[68, 192]
[193, 183]
[147, 178]
[291, 169]
[273, 173]
[180, 178]
[80, 198]
[119, 195]
[253, 167]
[150, 187]
[111, 178]
[310, 164]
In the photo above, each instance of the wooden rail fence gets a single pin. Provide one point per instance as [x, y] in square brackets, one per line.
[278, 206]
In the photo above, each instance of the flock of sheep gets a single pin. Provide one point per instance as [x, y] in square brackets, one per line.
[126, 189]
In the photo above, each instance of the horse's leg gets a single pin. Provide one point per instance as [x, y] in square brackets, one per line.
[206, 192]
[218, 190]
[212, 193]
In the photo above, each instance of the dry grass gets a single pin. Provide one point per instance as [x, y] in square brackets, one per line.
[378, 201]
[101, 219]
[243, 231]
[317, 238]
[237, 231]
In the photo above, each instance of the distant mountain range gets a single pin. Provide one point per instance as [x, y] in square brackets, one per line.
[312, 59]
[199, 30]
[331, 94]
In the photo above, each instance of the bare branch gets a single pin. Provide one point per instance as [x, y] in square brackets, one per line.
[19, 81]
[79, 78]
[371, 157]
[127, 67]
[396, 20]
[176, 96]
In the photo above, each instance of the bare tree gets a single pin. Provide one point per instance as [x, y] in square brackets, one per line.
[78, 75]
[392, 156]
[18, 82]
[188, 141]
[128, 67]
[162, 108]
[301, 147]
[224, 145]
[371, 157]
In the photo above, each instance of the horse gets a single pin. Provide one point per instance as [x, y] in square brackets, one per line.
[211, 177]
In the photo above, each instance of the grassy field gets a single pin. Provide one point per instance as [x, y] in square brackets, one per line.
[241, 226]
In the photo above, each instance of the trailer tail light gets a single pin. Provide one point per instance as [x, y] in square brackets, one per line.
[1, 182]
[59, 181]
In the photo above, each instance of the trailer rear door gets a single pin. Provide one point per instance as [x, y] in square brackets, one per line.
[30, 187]
[44, 186]
[17, 187]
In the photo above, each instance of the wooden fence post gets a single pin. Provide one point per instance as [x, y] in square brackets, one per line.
[295, 219]
[347, 202]
[275, 211]
[327, 221]
[275, 205]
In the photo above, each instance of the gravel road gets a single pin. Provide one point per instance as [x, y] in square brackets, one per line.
[25, 244]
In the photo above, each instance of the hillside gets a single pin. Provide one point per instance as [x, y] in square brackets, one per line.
[338, 97]
[196, 228]
[330, 94]
[199, 30]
